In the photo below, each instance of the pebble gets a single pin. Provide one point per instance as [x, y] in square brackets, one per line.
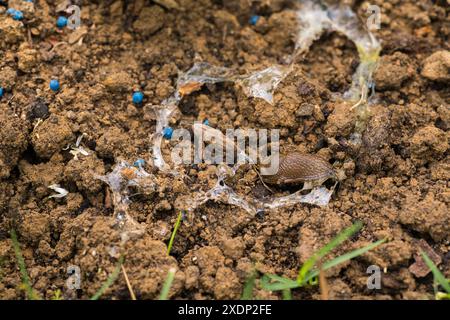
[437, 66]
[38, 110]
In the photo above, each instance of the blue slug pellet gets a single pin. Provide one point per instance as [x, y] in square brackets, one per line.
[1, 92]
[138, 97]
[54, 85]
[61, 22]
[17, 15]
[253, 20]
[167, 133]
[139, 163]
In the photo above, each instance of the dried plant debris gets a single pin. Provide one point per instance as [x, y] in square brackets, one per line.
[120, 181]
[60, 192]
[419, 268]
[77, 149]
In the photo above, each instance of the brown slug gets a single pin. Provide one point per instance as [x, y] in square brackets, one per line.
[296, 167]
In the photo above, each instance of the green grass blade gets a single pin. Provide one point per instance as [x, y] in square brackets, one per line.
[341, 237]
[272, 282]
[112, 277]
[247, 292]
[23, 269]
[438, 276]
[167, 284]
[174, 232]
[57, 295]
[442, 296]
[345, 257]
[287, 295]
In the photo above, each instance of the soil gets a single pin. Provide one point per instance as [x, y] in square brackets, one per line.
[397, 185]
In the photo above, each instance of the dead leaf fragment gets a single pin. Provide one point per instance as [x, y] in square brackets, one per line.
[420, 268]
[190, 87]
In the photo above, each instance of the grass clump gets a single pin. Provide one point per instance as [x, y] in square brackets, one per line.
[30, 293]
[247, 292]
[439, 279]
[309, 272]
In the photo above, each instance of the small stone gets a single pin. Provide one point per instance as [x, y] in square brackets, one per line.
[38, 110]
[28, 58]
[51, 136]
[437, 66]
[7, 77]
[393, 71]
[117, 81]
[428, 143]
[13, 141]
[233, 248]
[149, 21]
[12, 31]
[305, 109]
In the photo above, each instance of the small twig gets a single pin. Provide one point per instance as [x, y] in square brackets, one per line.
[11, 99]
[30, 39]
[323, 284]
[130, 288]
[224, 33]
[57, 45]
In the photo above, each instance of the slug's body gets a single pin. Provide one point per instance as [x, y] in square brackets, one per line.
[296, 167]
